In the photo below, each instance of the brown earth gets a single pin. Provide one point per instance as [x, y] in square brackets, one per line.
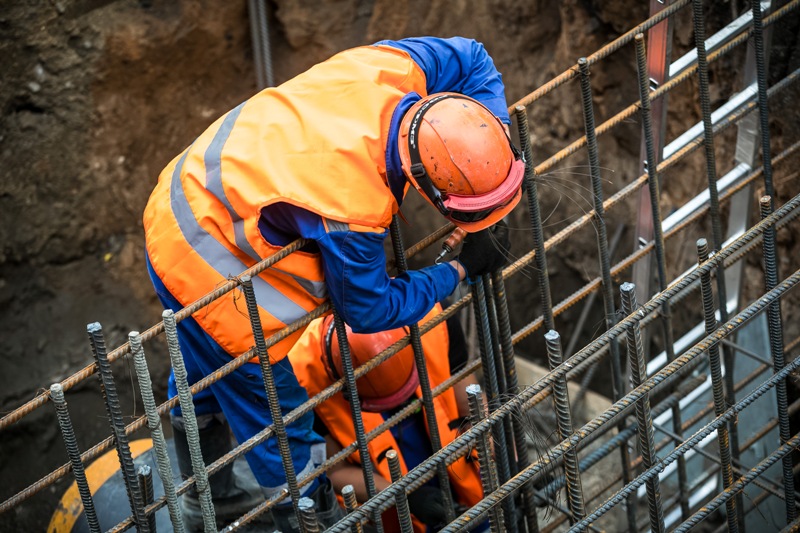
[99, 95]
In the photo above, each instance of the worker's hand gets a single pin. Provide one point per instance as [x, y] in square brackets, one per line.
[427, 505]
[485, 251]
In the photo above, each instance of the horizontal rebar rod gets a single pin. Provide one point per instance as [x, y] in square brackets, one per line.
[187, 311]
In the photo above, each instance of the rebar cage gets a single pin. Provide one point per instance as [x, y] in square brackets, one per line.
[700, 430]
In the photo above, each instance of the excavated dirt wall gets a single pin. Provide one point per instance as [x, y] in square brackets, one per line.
[97, 96]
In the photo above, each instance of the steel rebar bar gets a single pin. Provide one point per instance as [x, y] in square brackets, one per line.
[644, 418]
[190, 422]
[565, 429]
[490, 378]
[145, 476]
[534, 213]
[114, 411]
[71, 444]
[351, 393]
[156, 431]
[606, 286]
[309, 522]
[422, 372]
[527, 498]
[717, 384]
[698, 23]
[272, 398]
[350, 505]
[401, 501]
[763, 111]
[775, 329]
[477, 413]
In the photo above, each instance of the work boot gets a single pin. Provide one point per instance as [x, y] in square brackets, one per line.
[326, 507]
[231, 499]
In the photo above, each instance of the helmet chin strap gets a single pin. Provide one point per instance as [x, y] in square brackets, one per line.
[418, 172]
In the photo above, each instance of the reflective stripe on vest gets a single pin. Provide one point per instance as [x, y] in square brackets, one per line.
[304, 143]
[220, 258]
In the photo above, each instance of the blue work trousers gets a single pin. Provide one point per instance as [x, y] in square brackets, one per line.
[242, 397]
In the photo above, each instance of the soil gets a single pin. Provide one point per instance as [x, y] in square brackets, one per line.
[99, 95]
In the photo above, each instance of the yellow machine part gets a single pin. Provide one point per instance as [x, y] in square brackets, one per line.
[70, 507]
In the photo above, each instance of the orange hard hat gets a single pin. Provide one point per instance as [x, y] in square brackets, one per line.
[456, 153]
[384, 387]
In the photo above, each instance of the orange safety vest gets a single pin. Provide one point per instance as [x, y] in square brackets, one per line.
[318, 142]
[307, 362]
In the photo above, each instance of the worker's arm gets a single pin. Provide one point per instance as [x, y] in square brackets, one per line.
[354, 264]
[346, 473]
[371, 301]
[458, 65]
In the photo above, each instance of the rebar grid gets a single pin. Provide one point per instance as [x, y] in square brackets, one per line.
[79, 376]
[667, 374]
[500, 420]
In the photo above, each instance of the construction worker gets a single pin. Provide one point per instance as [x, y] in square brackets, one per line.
[384, 391]
[327, 156]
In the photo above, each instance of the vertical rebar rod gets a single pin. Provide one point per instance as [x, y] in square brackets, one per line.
[272, 394]
[253, 11]
[424, 380]
[494, 330]
[775, 327]
[262, 55]
[492, 393]
[717, 385]
[604, 450]
[643, 416]
[658, 241]
[71, 443]
[145, 475]
[708, 145]
[527, 497]
[350, 505]
[500, 372]
[190, 421]
[114, 411]
[477, 412]
[529, 184]
[698, 22]
[565, 429]
[156, 431]
[351, 393]
[763, 112]
[401, 501]
[536, 217]
[617, 382]
[309, 523]
[586, 380]
[654, 187]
